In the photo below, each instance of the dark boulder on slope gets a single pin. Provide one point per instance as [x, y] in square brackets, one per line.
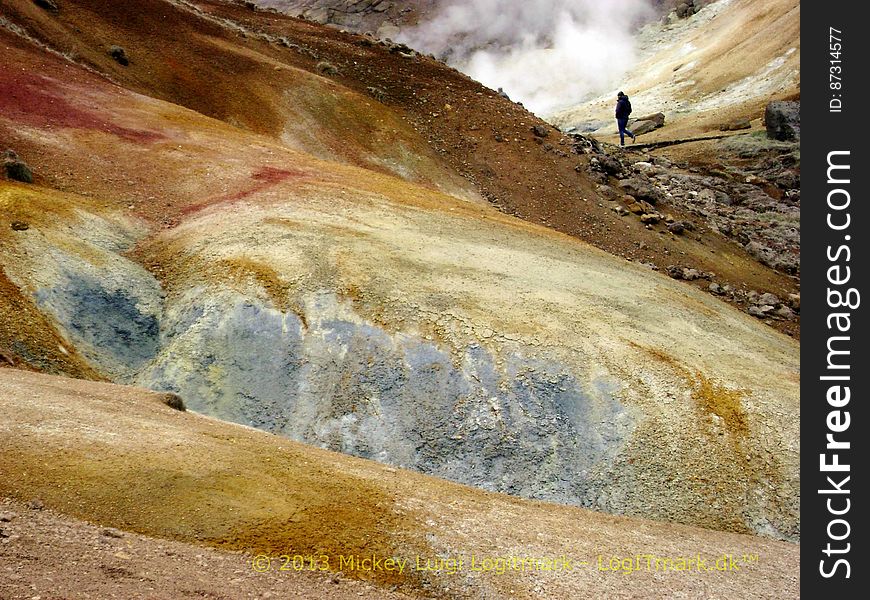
[782, 119]
[15, 168]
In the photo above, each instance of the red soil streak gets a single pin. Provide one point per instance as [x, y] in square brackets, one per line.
[266, 176]
[40, 101]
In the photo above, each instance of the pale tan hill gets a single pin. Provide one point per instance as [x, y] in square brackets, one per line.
[724, 63]
[118, 458]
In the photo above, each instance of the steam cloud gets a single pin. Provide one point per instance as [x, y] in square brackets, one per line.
[544, 53]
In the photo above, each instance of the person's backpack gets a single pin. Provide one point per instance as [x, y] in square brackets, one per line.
[627, 106]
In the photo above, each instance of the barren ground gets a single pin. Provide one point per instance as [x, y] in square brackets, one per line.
[104, 449]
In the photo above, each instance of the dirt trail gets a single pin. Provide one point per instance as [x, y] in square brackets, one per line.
[49, 555]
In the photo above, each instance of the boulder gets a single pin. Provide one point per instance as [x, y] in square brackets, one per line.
[788, 180]
[16, 169]
[642, 127]
[609, 165]
[540, 131]
[658, 119]
[784, 312]
[643, 166]
[768, 298]
[641, 189]
[736, 125]
[676, 228]
[782, 119]
[685, 273]
[120, 55]
[326, 68]
[759, 311]
[685, 9]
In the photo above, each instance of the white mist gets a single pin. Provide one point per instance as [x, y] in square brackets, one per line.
[546, 54]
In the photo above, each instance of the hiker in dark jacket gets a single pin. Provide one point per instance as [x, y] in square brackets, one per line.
[623, 109]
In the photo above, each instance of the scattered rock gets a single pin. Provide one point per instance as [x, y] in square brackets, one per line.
[111, 532]
[6, 517]
[606, 164]
[768, 298]
[676, 227]
[641, 189]
[788, 180]
[794, 301]
[643, 166]
[782, 119]
[540, 131]
[649, 218]
[715, 288]
[119, 54]
[760, 311]
[687, 273]
[636, 208]
[754, 180]
[20, 226]
[35, 504]
[684, 10]
[784, 312]
[398, 48]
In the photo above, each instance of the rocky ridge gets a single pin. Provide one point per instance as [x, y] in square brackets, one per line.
[750, 195]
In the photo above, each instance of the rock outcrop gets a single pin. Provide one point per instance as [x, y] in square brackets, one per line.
[782, 119]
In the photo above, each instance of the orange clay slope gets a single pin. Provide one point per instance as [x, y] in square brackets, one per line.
[180, 53]
[118, 457]
[350, 99]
